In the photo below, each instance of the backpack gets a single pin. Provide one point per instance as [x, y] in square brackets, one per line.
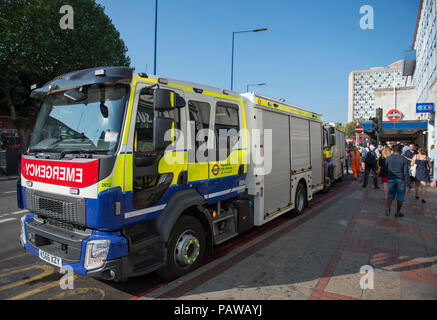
[370, 159]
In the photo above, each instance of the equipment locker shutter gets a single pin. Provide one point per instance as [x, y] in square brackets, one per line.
[300, 144]
[277, 184]
[316, 152]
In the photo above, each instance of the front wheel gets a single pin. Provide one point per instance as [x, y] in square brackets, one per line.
[186, 248]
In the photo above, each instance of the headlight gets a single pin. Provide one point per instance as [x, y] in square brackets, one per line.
[22, 233]
[96, 253]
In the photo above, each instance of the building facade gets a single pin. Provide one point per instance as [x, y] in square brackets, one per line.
[361, 86]
[422, 68]
[401, 122]
[424, 45]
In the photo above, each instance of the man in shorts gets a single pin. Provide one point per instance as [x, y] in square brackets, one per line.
[398, 179]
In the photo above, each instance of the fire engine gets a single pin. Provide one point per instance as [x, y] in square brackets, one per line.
[128, 173]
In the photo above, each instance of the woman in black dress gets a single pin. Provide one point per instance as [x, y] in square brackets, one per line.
[383, 173]
[423, 169]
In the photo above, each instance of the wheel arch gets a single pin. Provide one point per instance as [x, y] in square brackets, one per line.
[185, 202]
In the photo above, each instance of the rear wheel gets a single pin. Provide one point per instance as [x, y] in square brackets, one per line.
[186, 248]
[300, 199]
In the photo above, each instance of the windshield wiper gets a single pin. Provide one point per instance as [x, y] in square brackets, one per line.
[43, 151]
[83, 151]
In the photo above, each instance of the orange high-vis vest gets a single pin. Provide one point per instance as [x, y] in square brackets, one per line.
[355, 161]
[355, 155]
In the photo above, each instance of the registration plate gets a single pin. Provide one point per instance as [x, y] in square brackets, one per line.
[49, 258]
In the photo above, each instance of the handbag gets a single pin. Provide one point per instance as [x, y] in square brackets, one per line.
[413, 170]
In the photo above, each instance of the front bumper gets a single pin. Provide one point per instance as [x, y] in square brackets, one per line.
[70, 246]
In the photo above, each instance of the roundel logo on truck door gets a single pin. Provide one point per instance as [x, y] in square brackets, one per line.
[215, 169]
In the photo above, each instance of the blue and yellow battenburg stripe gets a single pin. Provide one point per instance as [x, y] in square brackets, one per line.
[287, 108]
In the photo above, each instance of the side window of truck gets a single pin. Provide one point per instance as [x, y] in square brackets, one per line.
[227, 127]
[144, 123]
[200, 115]
[146, 189]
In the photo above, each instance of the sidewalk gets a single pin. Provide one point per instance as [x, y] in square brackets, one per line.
[319, 255]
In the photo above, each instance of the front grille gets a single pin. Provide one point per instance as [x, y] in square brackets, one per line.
[62, 208]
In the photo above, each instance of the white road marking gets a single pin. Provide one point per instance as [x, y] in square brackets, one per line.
[8, 219]
[14, 212]
[20, 211]
[10, 191]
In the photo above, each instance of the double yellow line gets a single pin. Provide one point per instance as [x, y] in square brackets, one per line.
[47, 270]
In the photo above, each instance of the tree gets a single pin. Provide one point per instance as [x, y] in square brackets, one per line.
[350, 129]
[34, 49]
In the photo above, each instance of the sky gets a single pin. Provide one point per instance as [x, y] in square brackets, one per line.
[305, 56]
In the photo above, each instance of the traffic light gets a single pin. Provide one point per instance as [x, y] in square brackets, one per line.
[377, 124]
[374, 124]
[379, 120]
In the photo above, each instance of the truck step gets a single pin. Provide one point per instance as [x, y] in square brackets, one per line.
[229, 216]
[225, 237]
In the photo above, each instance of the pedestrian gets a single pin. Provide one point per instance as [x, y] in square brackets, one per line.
[431, 156]
[347, 159]
[362, 159]
[383, 173]
[405, 149]
[398, 178]
[434, 182]
[409, 154]
[355, 162]
[370, 156]
[423, 167]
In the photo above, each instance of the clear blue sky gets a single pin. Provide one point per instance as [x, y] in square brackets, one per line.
[305, 56]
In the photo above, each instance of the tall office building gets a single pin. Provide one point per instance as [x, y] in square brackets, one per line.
[361, 88]
[423, 69]
[421, 63]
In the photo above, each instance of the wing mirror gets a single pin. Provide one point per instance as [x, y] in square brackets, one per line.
[332, 139]
[166, 100]
[160, 127]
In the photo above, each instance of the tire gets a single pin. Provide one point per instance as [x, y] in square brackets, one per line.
[300, 199]
[186, 248]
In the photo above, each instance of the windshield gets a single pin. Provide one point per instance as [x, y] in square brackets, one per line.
[93, 124]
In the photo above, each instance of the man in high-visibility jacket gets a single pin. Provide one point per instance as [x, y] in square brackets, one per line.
[327, 154]
[355, 161]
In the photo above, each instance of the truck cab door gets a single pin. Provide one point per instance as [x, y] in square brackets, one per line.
[199, 140]
[226, 168]
[153, 172]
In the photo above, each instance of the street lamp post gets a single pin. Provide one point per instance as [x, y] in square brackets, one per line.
[255, 84]
[233, 41]
[156, 36]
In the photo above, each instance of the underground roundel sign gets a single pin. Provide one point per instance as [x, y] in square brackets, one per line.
[394, 115]
[215, 169]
